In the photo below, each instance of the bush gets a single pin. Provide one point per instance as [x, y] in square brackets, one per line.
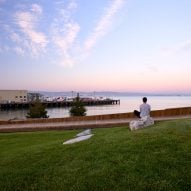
[78, 108]
[37, 110]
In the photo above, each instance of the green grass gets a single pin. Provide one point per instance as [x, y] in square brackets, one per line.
[154, 158]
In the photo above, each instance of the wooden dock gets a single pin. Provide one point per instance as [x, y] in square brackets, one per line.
[54, 104]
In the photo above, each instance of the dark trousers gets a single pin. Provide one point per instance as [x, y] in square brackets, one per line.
[137, 113]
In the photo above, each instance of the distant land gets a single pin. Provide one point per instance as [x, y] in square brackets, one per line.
[105, 94]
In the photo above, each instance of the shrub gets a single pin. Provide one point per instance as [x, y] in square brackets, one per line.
[37, 110]
[78, 108]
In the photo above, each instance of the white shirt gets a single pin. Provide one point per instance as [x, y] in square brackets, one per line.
[145, 110]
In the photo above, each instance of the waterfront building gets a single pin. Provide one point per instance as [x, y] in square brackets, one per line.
[13, 96]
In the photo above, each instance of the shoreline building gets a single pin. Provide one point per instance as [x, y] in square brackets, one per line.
[13, 96]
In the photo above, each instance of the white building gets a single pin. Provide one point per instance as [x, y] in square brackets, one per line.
[15, 96]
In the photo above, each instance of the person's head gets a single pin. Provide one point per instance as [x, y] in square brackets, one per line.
[145, 100]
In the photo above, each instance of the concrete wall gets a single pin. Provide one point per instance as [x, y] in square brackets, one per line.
[157, 113]
[17, 96]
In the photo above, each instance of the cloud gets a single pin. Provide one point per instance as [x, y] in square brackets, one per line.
[104, 23]
[64, 40]
[65, 44]
[27, 21]
[62, 31]
[19, 51]
[36, 8]
[64, 37]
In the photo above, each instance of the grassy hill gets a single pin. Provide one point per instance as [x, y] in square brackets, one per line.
[154, 158]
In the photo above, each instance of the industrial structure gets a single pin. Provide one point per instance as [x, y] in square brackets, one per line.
[13, 96]
[19, 99]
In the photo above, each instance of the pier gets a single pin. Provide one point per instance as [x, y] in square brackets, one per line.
[7, 106]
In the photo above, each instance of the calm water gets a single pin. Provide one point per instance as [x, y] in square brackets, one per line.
[127, 104]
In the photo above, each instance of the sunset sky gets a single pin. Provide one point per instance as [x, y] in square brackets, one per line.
[96, 45]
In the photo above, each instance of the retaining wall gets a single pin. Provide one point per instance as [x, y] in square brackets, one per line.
[155, 113]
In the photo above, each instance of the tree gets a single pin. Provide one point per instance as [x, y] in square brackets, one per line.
[78, 108]
[37, 110]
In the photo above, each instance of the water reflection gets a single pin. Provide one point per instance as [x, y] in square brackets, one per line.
[127, 104]
[10, 114]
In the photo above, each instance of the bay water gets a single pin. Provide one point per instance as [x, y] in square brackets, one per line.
[127, 104]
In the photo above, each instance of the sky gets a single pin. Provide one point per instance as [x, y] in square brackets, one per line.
[97, 45]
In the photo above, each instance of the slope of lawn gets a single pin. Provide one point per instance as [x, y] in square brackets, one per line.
[154, 158]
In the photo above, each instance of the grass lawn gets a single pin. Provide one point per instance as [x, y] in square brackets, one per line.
[154, 158]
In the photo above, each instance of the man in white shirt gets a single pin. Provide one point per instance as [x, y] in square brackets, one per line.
[145, 109]
[144, 115]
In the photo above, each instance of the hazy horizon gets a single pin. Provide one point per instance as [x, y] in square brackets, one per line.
[116, 93]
